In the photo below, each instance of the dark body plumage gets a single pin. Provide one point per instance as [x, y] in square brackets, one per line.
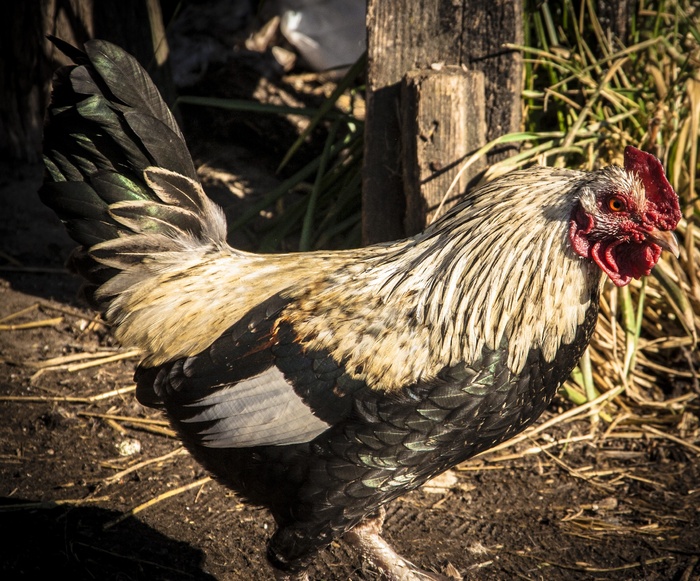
[380, 445]
[322, 385]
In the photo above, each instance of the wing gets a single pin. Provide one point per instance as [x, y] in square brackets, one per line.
[256, 385]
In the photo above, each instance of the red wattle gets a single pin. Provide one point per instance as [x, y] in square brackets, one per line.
[579, 229]
[623, 260]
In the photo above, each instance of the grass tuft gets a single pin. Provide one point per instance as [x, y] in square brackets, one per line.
[586, 97]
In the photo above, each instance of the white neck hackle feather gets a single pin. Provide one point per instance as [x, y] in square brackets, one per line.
[503, 270]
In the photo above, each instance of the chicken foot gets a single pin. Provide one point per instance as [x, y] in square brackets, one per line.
[366, 538]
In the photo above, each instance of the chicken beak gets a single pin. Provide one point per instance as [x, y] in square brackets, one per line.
[666, 240]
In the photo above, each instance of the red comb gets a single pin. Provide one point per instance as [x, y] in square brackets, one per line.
[664, 209]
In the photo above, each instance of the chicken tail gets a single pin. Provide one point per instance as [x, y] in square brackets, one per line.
[120, 177]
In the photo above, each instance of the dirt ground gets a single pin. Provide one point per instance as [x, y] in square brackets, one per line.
[94, 487]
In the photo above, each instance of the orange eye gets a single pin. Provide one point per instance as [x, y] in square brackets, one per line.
[616, 204]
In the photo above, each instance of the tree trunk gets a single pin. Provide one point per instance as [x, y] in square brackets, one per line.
[614, 17]
[26, 70]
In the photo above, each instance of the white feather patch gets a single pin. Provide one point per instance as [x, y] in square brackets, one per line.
[261, 411]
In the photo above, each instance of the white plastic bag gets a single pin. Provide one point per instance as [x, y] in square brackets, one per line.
[327, 33]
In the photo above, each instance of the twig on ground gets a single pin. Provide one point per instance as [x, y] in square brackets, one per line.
[48, 504]
[19, 313]
[671, 437]
[32, 324]
[60, 398]
[159, 427]
[156, 500]
[119, 475]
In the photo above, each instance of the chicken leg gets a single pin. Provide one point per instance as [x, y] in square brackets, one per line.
[366, 538]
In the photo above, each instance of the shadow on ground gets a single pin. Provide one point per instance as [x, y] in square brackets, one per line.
[77, 542]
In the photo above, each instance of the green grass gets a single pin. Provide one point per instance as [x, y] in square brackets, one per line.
[329, 212]
[593, 96]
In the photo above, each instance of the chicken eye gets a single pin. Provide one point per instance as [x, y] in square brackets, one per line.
[616, 204]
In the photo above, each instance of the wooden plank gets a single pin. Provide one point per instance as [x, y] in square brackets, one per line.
[443, 123]
[488, 26]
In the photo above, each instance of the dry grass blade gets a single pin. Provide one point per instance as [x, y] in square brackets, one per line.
[104, 360]
[159, 427]
[606, 527]
[143, 563]
[577, 473]
[589, 569]
[156, 500]
[671, 437]
[60, 362]
[19, 313]
[140, 465]
[48, 504]
[66, 362]
[95, 319]
[49, 322]
[688, 572]
[32, 324]
[11, 259]
[129, 419]
[57, 398]
[534, 449]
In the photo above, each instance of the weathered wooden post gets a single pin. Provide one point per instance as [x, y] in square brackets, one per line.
[461, 88]
[443, 121]
[27, 67]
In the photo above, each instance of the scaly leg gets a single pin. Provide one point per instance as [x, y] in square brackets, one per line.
[366, 537]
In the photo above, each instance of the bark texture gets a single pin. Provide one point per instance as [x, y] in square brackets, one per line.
[418, 35]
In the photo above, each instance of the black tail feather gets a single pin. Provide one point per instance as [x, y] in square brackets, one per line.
[118, 168]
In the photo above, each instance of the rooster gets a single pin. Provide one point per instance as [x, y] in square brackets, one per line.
[322, 385]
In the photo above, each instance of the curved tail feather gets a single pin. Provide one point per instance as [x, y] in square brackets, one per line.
[119, 173]
[152, 245]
